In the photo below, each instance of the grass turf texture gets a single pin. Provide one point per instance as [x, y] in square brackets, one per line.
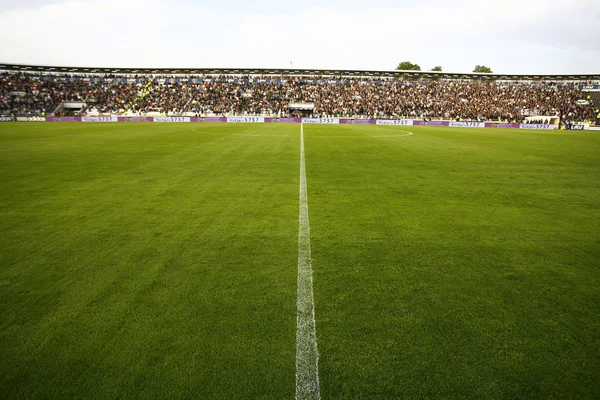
[150, 260]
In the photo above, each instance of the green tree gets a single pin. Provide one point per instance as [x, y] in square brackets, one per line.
[408, 66]
[482, 68]
[437, 68]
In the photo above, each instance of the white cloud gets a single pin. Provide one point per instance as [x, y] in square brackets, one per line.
[456, 34]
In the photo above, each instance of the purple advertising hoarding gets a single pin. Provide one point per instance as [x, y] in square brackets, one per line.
[501, 125]
[536, 126]
[357, 121]
[432, 123]
[209, 119]
[135, 119]
[292, 120]
[63, 119]
[306, 120]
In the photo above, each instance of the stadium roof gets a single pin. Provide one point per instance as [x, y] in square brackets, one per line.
[410, 75]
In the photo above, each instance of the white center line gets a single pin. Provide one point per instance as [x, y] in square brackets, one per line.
[307, 354]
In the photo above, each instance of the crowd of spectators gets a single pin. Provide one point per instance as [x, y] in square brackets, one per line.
[331, 96]
[21, 94]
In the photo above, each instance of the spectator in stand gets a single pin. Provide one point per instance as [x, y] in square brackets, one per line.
[332, 96]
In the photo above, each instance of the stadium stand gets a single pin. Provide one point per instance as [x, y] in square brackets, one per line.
[263, 92]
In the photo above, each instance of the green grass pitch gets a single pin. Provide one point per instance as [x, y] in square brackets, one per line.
[160, 261]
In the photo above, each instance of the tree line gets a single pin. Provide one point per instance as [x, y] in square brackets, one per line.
[408, 66]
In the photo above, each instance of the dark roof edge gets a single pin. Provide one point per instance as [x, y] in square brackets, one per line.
[289, 71]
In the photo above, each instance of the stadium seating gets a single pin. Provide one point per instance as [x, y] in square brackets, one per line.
[267, 96]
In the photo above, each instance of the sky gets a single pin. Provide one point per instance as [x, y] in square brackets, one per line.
[509, 36]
